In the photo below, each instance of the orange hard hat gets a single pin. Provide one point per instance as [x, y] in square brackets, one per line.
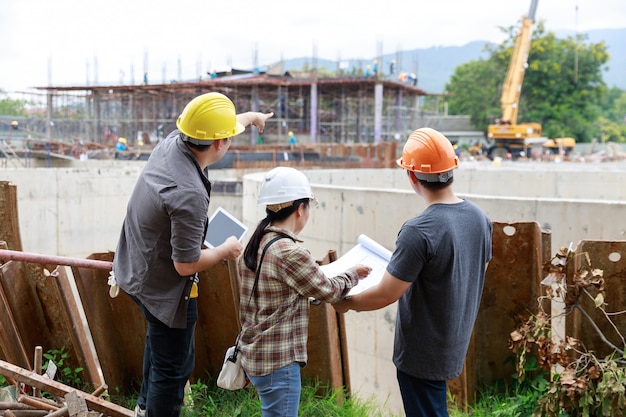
[429, 154]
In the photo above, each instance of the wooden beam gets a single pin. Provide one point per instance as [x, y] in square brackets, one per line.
[56, 388]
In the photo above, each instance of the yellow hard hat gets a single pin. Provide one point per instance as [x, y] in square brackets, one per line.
[208, 117]
[290, 133]
[123, 140]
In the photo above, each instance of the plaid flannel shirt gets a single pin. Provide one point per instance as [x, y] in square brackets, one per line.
[275, 323]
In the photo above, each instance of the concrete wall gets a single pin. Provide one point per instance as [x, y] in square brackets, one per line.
[78, 210]
[75, 211]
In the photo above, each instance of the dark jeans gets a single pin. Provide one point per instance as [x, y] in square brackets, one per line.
[422, 397]
[168, 361]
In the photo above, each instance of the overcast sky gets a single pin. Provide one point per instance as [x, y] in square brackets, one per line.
[70, 42]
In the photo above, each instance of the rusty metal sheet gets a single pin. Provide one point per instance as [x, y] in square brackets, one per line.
[610, 257]
[512, 285]
[117, 326]
[327, 346]
[9, 222]
[218, 318]
[324, 347]
[11, 344]
[36, 302]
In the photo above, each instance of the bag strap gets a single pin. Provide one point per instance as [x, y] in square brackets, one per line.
[258, 271]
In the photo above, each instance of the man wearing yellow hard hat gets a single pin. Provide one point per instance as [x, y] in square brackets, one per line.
[160, 253]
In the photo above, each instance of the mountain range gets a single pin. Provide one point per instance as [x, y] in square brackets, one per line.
[435, 65]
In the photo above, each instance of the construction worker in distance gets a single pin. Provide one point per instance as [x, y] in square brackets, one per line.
[436, 273]
[292, 139]
[120, 145]
[278, 277]
[160, 251]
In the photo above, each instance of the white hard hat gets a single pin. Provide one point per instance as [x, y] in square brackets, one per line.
[284, 185]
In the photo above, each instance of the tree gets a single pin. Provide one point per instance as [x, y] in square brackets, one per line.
[472, 89]
[612, 124]
[561, 90]
[11, 107]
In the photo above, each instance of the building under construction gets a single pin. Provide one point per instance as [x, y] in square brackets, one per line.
[345, 110]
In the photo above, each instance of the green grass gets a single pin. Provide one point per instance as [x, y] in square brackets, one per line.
[206, 399]
[492, 404]
[516, 401]
[209, 400]
[512, 399]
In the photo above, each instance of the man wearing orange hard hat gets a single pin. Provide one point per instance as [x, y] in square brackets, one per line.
[436, 273]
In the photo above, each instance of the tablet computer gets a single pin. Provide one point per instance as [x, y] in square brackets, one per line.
[221, 226]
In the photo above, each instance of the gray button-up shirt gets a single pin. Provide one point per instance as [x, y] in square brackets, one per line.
[165, 222]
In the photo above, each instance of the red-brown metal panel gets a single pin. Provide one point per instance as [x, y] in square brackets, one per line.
[218, 322]
[117, 327]
[324, 348]
[512, 285]
[36, 302]
[9, 219]
[610, 257]
[11, 344]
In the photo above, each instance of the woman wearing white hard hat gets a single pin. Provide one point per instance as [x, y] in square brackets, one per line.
[278, 278]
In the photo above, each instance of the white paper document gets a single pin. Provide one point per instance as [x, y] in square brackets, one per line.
[367, 252]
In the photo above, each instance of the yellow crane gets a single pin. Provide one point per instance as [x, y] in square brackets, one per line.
[507, 137]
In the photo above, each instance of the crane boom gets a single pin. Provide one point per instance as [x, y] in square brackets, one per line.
[512, 87]
[511, 138]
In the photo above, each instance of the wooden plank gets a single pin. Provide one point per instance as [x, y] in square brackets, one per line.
[75, 403]
[78, 328]
[56, 388]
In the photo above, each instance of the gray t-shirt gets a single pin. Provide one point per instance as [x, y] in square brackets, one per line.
[443, 253]
[165, 221]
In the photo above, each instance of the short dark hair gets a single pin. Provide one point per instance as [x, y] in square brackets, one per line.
[197, 147]
[436, 185]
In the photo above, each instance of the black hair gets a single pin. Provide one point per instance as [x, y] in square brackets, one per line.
[252, 248]
[200, 148]
[434, 186]
[195, 146]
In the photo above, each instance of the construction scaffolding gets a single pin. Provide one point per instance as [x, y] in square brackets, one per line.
[317, 110]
